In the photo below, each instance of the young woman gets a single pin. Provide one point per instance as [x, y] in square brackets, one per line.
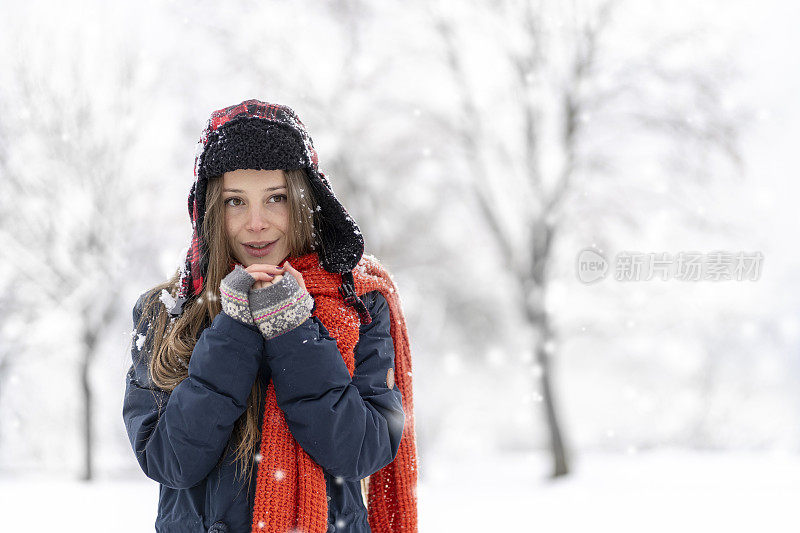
[270, 385]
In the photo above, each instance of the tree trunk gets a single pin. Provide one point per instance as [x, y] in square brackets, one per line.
[557, 448]
[539, 320]
[90, 340]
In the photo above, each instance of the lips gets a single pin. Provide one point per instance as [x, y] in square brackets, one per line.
[259, 252]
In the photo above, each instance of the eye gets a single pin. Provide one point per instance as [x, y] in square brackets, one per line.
[282, 198]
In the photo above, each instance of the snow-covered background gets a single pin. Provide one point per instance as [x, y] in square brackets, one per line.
[481, 145]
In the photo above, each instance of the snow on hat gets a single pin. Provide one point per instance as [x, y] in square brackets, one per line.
[262, 136]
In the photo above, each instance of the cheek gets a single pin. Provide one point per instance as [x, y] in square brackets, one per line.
[282, 222]
[231, 225]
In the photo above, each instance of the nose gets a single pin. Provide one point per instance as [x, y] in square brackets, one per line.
[257, 218]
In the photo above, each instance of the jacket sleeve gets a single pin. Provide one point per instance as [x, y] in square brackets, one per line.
[178, 437]
[350, 427]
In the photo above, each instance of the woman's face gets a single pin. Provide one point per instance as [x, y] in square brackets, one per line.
[256, 212]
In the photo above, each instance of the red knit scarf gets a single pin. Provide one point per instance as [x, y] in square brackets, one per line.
[290, 489]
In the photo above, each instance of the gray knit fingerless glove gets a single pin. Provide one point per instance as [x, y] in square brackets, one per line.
[280, 307]
[234, 289]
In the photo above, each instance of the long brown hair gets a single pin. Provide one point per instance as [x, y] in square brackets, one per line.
[173, 339]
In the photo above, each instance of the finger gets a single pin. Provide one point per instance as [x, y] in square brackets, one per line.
[265, 268]
[299, 279]
[261, 266]
[295, 273]
[291, 269]
[267, 271]
[261, 284]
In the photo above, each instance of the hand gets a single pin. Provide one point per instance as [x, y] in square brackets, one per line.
[283, 304]
[272, 274]
[234, 291]
[264, 274]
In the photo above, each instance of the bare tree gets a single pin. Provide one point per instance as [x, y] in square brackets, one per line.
[73, 216]
[558, 85]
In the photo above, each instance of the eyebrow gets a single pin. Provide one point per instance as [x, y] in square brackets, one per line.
[267, 189]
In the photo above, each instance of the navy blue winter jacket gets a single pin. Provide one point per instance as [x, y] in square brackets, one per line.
[351, 427]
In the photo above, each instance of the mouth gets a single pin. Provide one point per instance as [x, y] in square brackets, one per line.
[259, 248]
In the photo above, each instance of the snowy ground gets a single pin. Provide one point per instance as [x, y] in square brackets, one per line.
[643, 492]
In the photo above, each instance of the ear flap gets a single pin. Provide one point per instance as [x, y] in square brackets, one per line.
[342, 241]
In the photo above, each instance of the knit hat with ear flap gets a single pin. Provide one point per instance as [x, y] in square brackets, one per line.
[262, 136]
